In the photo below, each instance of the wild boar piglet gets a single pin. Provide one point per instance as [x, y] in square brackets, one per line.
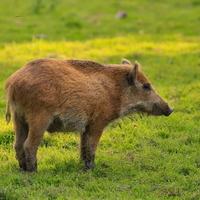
[74, 95]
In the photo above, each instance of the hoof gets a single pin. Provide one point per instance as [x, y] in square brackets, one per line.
[22, 167]
[87, 168]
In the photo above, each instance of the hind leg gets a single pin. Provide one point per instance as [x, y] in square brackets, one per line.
[21, 133]
[37, 127]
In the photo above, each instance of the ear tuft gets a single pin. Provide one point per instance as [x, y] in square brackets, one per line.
[126, 62]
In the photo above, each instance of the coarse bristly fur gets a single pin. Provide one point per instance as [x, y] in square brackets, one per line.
[74, 95]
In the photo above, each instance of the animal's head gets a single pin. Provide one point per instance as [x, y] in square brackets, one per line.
[144, 97]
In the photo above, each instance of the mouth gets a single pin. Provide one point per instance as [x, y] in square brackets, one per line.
[156, 110]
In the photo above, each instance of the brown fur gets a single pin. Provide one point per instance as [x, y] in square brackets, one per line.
[74, 95]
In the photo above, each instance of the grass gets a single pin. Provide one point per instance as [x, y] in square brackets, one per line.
[139, 157]
[77, 20]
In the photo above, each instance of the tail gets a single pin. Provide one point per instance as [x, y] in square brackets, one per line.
[8, 115]
[9, 91]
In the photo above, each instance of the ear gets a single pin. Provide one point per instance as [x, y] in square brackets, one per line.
[133, 74]
[125, 61]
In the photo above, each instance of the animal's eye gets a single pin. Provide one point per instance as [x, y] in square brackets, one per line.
[147, 86]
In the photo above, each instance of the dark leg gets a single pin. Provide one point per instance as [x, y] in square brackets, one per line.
[37, 128]
[88, 145]
[21, 133]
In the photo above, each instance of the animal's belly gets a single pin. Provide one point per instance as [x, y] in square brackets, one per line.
[66, 125]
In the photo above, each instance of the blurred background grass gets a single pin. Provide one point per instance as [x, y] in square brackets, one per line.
[71, 20]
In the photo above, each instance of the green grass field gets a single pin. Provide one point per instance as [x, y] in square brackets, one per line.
[139, 157]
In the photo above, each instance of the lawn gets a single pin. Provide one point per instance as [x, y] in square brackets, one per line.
[139, 157]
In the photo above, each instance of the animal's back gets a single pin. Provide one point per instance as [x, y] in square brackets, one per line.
[52, 69]
[47, 73]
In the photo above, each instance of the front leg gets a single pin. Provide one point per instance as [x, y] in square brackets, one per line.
[88, 145]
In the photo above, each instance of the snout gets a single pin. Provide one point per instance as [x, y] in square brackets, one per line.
[160, 109]
[169, 111]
